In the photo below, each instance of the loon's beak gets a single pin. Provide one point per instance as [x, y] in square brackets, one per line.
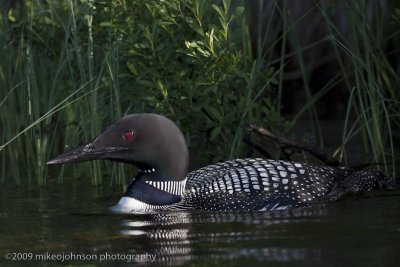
[85, 153]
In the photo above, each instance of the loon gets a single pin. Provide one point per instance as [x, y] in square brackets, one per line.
[158, 148]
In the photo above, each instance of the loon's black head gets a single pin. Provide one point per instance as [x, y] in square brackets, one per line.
[149, 141]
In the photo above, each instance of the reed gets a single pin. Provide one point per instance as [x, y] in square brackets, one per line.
[373, 98]
[364, 69]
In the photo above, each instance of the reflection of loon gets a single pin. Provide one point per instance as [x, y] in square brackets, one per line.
[157, 147]
[180, 238]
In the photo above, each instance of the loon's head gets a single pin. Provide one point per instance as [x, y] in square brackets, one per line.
[151, 142]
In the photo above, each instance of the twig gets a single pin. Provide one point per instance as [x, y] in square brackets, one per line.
[310, 148]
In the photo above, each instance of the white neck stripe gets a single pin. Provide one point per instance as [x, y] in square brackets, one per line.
[172, 187]
[147, 170]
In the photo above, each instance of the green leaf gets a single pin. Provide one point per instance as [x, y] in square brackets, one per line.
[214, 113]
[191, 44]
[132, 68]
[219, 11]
[195, 26]
[146, 83]
[227, 3]
[105, 24]
[215, 132]
[238, 11]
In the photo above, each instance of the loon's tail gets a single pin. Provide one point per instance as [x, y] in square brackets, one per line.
[364, 180]
[354, 181]
[389, 183]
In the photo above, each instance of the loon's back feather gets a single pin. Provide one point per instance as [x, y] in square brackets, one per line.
[261, 184]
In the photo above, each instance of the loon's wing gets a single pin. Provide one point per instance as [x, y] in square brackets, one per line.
[258, 184]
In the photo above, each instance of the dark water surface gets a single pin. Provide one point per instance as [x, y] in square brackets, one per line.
[70, 220]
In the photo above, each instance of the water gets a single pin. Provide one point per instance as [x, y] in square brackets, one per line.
[70, 219]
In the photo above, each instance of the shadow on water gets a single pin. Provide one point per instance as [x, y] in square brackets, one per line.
[64, 220]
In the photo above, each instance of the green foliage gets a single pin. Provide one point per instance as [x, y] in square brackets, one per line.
[185, 65]
[176, 58]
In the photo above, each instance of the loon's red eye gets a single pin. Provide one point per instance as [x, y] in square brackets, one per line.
[129, 135]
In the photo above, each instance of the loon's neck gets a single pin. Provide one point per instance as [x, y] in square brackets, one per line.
[149, 191]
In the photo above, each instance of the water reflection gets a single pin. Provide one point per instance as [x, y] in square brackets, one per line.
[177, 238]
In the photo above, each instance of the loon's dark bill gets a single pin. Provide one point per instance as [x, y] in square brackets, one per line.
[85, 153]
